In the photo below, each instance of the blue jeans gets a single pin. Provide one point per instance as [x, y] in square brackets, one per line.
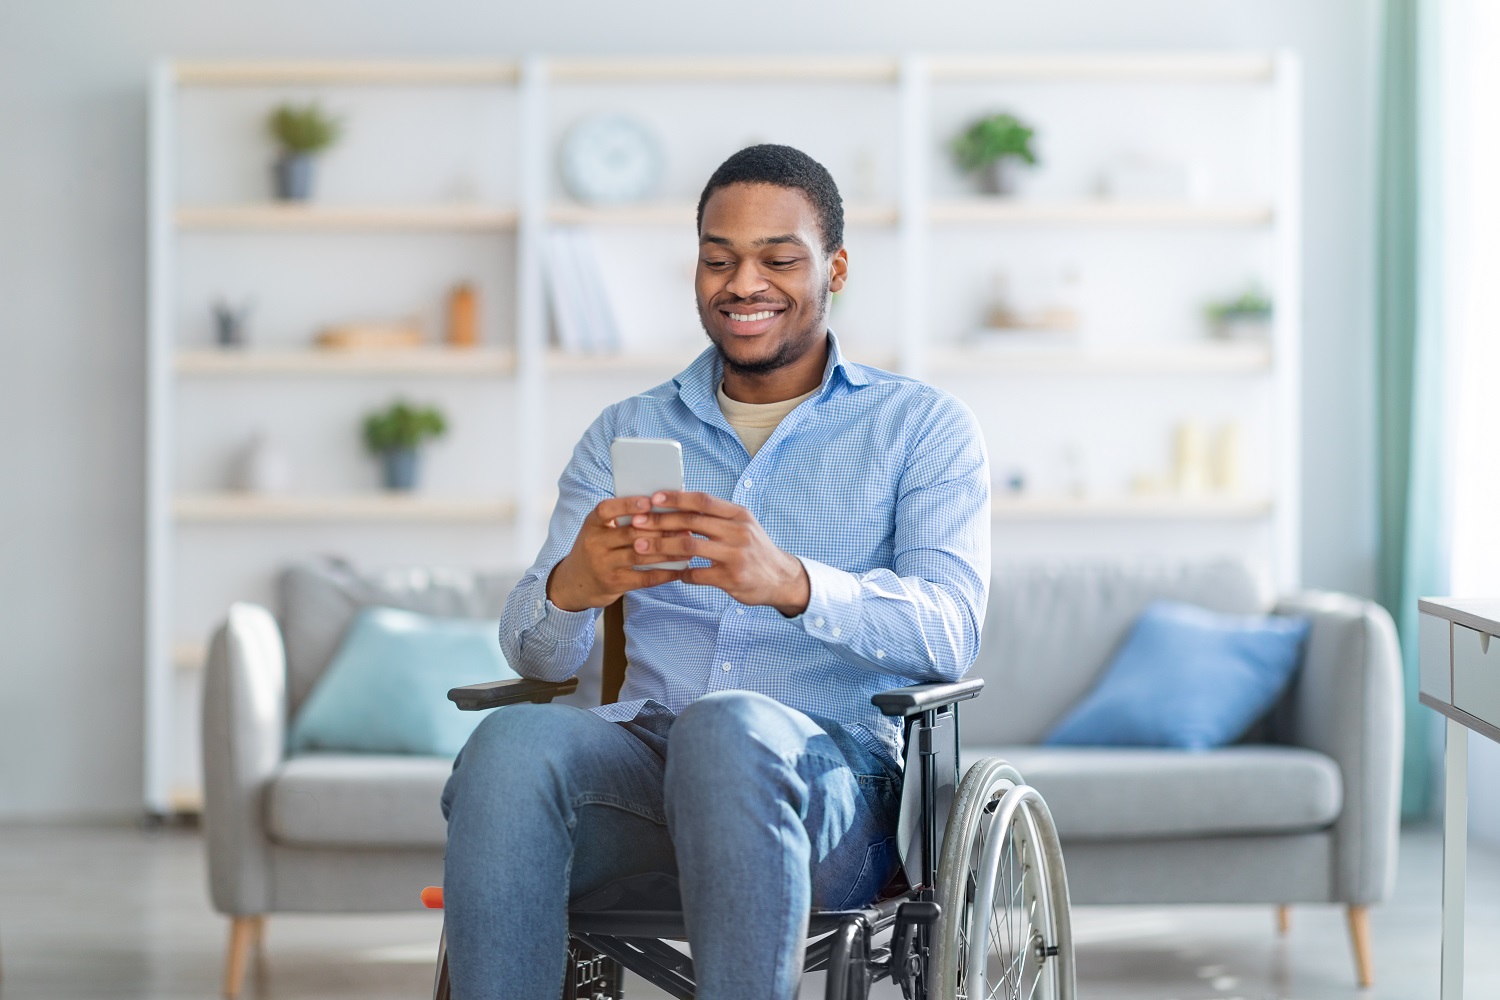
[756, 811]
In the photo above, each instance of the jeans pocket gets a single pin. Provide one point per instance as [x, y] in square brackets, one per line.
[876, 872]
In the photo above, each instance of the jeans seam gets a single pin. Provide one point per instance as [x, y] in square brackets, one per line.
[613, 802]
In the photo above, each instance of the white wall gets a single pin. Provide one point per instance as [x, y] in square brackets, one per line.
[72, 305]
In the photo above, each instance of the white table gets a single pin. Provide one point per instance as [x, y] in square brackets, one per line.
[1459, 669]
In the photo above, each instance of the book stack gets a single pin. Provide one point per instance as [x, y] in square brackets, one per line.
[583, 321]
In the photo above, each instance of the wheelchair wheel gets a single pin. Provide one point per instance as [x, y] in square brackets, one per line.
[1004, 931]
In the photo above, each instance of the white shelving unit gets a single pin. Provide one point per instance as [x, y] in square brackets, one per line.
[914, 217]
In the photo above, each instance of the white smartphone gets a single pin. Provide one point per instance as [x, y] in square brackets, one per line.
[642, 466]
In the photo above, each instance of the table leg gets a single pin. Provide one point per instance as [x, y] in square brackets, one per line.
[1455, 845]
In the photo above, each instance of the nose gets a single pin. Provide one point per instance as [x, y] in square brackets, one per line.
[747, 280]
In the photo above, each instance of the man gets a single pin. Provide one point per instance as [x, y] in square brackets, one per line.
[837, 518]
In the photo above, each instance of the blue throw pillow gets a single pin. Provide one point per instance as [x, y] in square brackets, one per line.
[386, 690]
[1187, 677]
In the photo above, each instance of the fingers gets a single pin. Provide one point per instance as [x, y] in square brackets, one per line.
[683, 546]
[617, 507]
[700, 503]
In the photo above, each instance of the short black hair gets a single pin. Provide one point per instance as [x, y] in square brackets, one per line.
[784, 166]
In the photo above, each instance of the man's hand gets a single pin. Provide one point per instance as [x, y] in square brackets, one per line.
[747, 565]
[598, 568]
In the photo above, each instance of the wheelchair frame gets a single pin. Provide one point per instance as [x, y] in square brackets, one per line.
[604, 943]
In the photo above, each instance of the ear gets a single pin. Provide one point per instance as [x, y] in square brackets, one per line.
[838, 269]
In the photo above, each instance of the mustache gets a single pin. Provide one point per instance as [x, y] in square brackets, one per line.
[724, 303]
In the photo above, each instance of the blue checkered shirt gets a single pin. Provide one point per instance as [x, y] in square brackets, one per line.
[878, 483]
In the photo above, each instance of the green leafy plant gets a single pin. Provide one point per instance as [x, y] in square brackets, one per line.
[402, 426]
[993, 138]
[304, 129]
[1253, 304]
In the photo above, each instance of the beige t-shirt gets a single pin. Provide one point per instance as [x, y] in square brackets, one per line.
[756, 422]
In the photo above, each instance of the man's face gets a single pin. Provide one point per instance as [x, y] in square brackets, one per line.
[763, 279]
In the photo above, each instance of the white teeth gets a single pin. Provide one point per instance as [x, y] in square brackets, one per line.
[751, 317]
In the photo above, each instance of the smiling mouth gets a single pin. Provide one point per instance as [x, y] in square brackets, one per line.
[754, 317]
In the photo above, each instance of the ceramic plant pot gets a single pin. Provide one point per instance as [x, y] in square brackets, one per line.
[999, 177]
[294, 176]
[400, 468]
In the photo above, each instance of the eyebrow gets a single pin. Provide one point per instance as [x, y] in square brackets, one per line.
[764, 241]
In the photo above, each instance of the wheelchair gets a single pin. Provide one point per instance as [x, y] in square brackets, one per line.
[982, 912]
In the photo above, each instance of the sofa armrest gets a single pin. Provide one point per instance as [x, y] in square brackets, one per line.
[1347, 703]
[244, 738]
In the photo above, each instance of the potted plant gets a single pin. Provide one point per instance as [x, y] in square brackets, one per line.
[992, 147]
[302, 133]
[1247, 317]
[396, 435]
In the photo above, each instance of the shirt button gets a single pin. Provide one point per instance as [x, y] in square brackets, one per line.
[837, 631]
[748, 483]
[879, 654]
[818, 622]
[739, 611]
[726, 666]
[539, 605]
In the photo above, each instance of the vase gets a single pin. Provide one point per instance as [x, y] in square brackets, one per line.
[998, 177]
[294, 176]
[263, 467]
[400, 468]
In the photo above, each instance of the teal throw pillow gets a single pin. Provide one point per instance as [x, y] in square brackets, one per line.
[386, 690]
[1187, 677]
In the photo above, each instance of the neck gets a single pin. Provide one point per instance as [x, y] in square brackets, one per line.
[787, 382]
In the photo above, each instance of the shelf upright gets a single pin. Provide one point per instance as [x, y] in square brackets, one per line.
[1286, 561]
[161, 250]
[911, 213]
[531, 332]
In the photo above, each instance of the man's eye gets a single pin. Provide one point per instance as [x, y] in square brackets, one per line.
[715, 264]
[783, 261]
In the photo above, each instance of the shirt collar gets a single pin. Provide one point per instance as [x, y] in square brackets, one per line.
[698, 384]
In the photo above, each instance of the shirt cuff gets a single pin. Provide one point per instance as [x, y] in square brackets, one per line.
[832, 605]
[555, 626]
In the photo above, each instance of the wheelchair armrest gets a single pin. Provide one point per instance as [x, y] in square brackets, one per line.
[478, 697]
[917, 698]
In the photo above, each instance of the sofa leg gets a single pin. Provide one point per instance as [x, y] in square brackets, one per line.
[243, 933]
[1283, 919]
[1359, 934]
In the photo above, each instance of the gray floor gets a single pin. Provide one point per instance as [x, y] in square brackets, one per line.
[110, 912]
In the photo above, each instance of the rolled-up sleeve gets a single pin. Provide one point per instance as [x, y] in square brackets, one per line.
[539, 639]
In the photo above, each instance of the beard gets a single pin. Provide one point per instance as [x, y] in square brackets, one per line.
[790, 350]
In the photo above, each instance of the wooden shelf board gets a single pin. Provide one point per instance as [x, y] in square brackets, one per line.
[189, 656]
[246, 508]
[1126, 508]
[1186, 359]
[561, 362]
[790, 69]
[185, 801]
[365, 71]
[671, 213]
[1176, 67]
[1099, 211]
[278, 216]
[477, 361]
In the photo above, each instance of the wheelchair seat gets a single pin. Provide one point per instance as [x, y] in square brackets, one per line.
[978, 906]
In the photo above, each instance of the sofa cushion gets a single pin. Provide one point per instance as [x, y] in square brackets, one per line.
[1051, 628]
[1186, 677]
[365, 800]
[386, 689]
[319, 599]
[1138, 793]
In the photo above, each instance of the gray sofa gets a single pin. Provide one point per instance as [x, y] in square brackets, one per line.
[1306, 813]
